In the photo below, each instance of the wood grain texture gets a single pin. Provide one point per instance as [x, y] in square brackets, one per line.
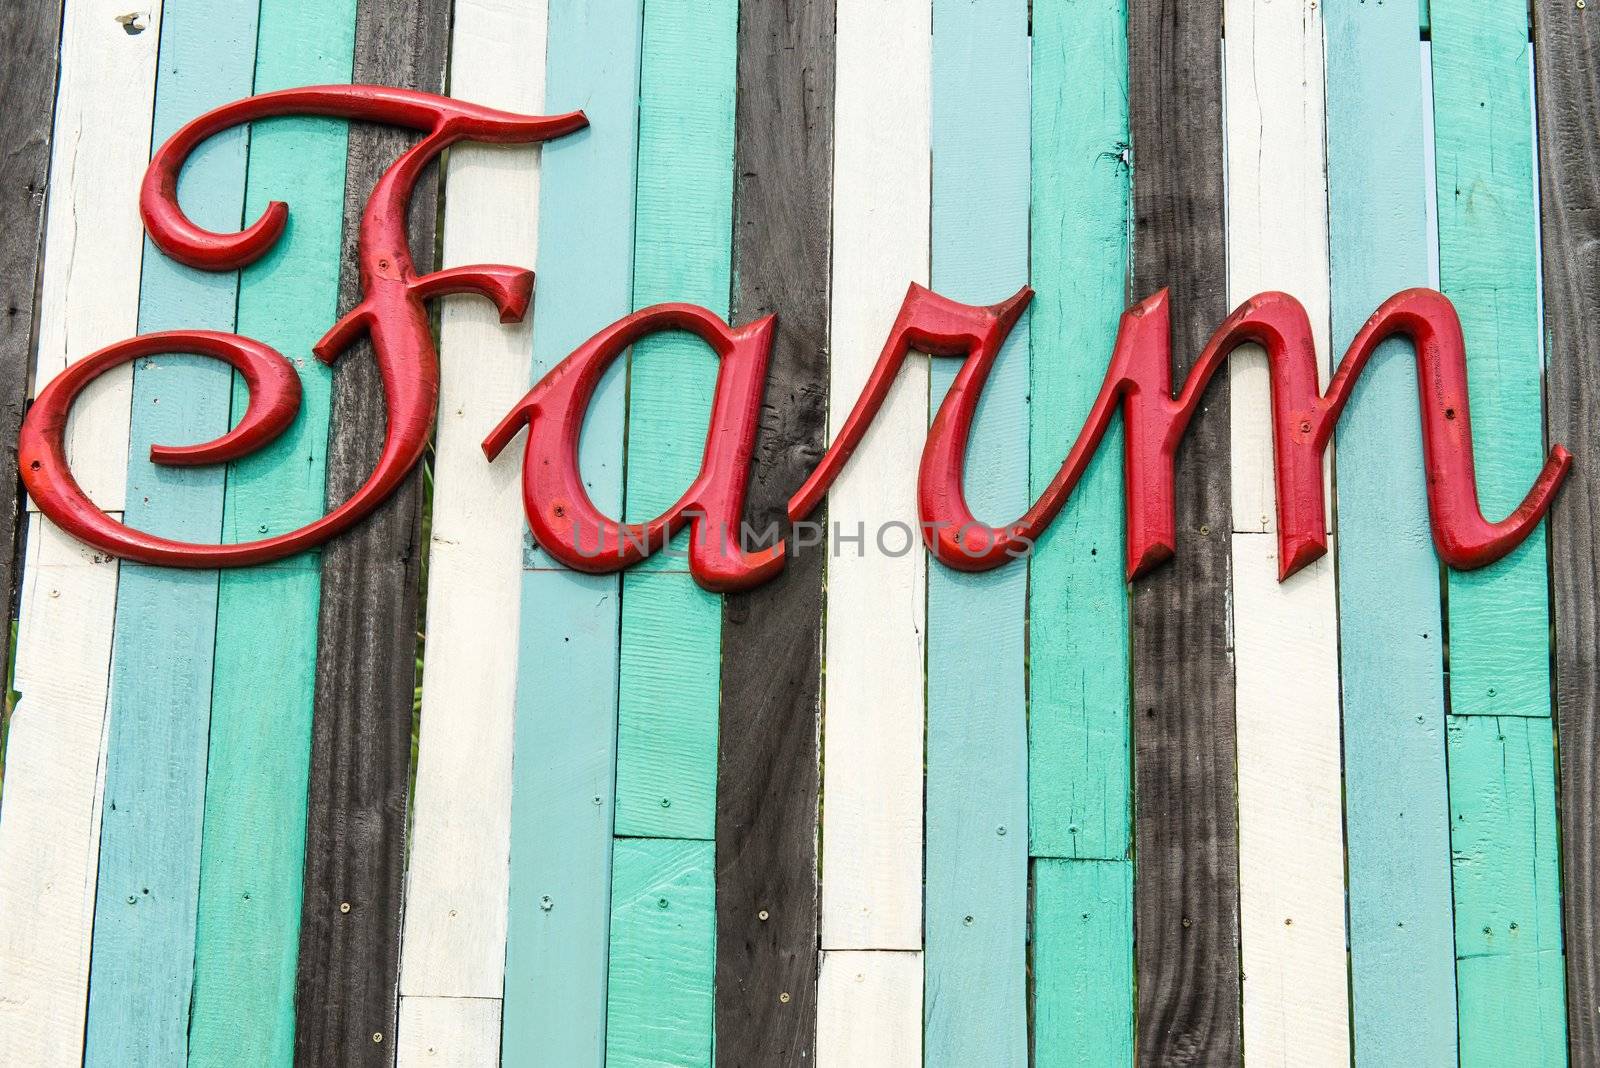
[1080, 763]
[1397, 824]
[367, 621]
[1083, 962]
[564, 766]
[975, 1004]
[873, 647]
[767, 776]
[663, 953]
[1285, 635]
[1510, 986]
[89, 297]
[453, 941]
[1506, 850]
[252, 857]
[869, 1009]
[1186, 915]
[142, 968]
[660, 996]
[32, 32]
[1566, 46]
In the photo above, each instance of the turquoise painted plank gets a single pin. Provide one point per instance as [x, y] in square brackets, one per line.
[975, 1006]
[1503, 853]
[142, 965]
[1508, 911]
[663, 939]
[1079, 760]
[253, 849]
[1488, 265]
[1078, 744]
[671, 648]
[660, 997]
[1083, 911]
[1390, 629]
[564, 763]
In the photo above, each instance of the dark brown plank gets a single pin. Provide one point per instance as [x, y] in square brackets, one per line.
[31, 32]
[1186, 880]
[766, 979]
[367, 631]
[1567, 85]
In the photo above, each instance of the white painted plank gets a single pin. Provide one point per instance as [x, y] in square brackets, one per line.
[873, 698]
[447, 1032]
[457, 885]
[1291, 832]
[50, 820]
[869, 1010]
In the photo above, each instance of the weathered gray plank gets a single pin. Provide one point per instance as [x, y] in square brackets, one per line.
[31, 30]
[1186, 892]
[767, 762]
[1567, 85]
[366, 659]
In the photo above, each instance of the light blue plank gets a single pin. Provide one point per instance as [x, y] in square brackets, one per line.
[975, 967]
[563, 768]
[1390, 631]
[142, 967]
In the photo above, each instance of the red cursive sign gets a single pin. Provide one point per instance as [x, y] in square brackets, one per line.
[565, 520]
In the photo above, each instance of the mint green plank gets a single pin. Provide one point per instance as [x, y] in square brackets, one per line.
[142, 966]
[1503, 840]
[671, 649]
[1078, 748]
[1488, 264]
[564, 763]
[660, 997]
[1508, 906]
[1083, 911]
[1078, 745]
[975, 1006]
[663, 938]
[253, 849]
[1402, 954]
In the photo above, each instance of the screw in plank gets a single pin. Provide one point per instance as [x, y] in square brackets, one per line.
[344, 906]
[377, 1036]
[546, 904]
[784, 997]
[762, 915]
[1001, 831]
[662, 903]
[666, 802]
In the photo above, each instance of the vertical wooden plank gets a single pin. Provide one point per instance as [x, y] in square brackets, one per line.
[1186, 915]
[1390, 631]
[1503, 861]
[766, 982]
[1083, 961]
[1566, 46]
[873, 651]
[32, 32]
[454, 930]
[1286, 652]
[869, 1008]
[1506, 849]
[660, 997]
[975, 973]
[142, 968]
[88, 295]
[563, 770]
[1080, 823]
[367, 622]
[252, 857]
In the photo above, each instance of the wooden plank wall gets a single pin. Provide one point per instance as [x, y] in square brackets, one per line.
[142, 971]
[367, 621]
[976, 882]
[767, 774]
[1504, 840]
[1566, 45]
[615, 854]
[1391, 635]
